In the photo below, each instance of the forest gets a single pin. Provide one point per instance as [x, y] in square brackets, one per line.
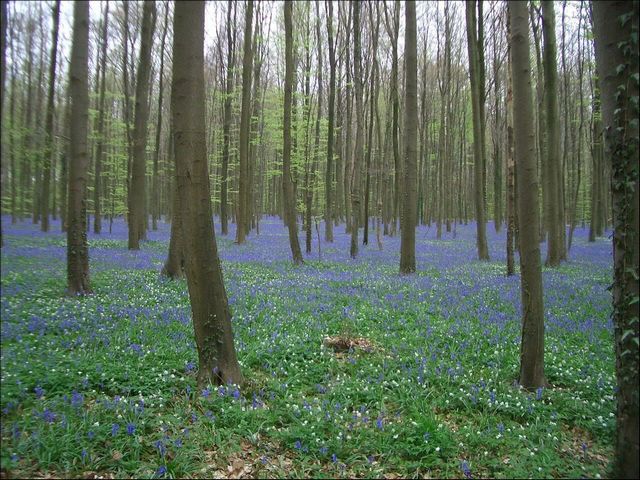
[319, 239]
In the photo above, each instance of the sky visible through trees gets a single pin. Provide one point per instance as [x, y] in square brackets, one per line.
[464, 178]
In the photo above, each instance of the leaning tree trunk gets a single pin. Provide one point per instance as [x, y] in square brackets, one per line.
[616, 40]
[532, 342]
[211, 316]
[77, 246]
[409, 197]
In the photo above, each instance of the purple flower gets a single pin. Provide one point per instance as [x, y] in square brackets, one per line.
[379, 423]
[39, 391]
[298, 445]
[464, 466]
[76, 399]
[114, 429]
[236, 394]
[334, 458]
[91, 434]
[131, 428]
[159, 444]
[539, 393]
[162, 471]
[206, 392]
[48, 416]
[84, 454]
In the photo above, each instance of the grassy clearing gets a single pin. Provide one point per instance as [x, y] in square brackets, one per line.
[105, 385]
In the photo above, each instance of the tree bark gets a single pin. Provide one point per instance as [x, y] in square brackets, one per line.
[77, 246]
[476, 73]
[328, 179]
[155, 200]
[137, 213]
[357, 156]
[532, 342]
[218, 363]
[554, 174]
[408, 232]
[287, 184]
[226, 129]
[242, 223]
[97, 219]
[616, 41]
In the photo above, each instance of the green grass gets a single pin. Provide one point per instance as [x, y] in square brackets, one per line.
[436, 390]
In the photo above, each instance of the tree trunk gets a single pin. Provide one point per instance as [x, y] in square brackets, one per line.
[357, 156]
[226, 129]
[287, 184]
[245, 127]
[328, 179]
[616, 37]
[476, 73]
[211, 316]
[408, 231]
[554, 174]
[137, 192]
[155, 200]
[77, 246]
[511, 183]
[532, 343]
[97, 219]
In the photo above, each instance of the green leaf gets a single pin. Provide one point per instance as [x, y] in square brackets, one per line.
[620, 68]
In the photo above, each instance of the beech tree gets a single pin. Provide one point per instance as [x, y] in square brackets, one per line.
[77, 246]
[409, 205]
[287, 183]
[137, 210]
[242, 222]
[475, 45]
[532, 342]
[217, 361]
[616, 41]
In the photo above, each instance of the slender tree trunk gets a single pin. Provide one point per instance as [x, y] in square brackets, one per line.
[476, 73]
[211, 316]
[357, 157]
[48, 153]
[328, 179]
[97, 190]
[77, 246]
[408, 232]
[245, 127]
[226, 129]
[532, 343]
[511, 183]
[287, 184]
[137, 193]
[155, 201]
[554, 175]
[616, 36]
[373, 104]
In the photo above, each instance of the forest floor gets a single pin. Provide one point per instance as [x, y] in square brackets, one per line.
[105, 385]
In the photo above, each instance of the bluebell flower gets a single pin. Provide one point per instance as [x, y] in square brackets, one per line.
[298, 445]
[76, 399]
[379, 423]
[91, 434]
[131, 428]
[48, 416]
[162, 471]
[464, 466]
[114, 429]
[39, 391]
